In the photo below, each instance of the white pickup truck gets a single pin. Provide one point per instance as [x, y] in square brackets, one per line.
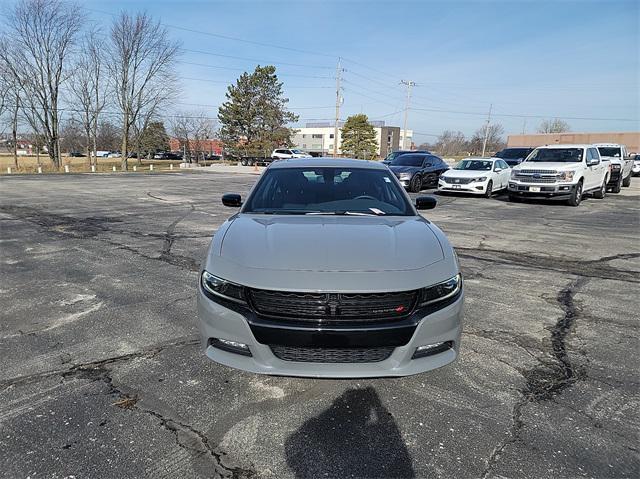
[560, 171]
[621, 165]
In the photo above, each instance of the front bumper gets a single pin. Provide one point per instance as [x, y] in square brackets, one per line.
[635, 169]
[475, 187]
[236, 323]
[615, 177]
[543, 190]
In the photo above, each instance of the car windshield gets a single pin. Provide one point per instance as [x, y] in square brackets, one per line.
[297, 152]
[408, 160]
[512, 153]
[328, 190]
[566, 155]
[484, 165]
[611, 151]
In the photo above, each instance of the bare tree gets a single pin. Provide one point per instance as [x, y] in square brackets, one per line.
[88, 87]
[40, 36]
[494, 135]
[141, 67]
[451, 143]
[554, 126]
[192, 129]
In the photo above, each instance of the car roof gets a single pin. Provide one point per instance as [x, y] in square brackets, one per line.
[483, 158]
[608, 144]
[568, 145]
[327, 161]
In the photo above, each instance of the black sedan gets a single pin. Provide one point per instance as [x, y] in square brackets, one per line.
[417, 170]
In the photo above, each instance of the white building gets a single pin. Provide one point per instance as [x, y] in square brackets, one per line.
[319, 138]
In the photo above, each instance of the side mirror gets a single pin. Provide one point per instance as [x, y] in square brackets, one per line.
[232, 199]
[426, 202]
[593, 162]
[427, 165]
[498, 170]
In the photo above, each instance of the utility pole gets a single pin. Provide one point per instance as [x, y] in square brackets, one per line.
[410, 84]
[524, 126]
[339, 71]
[486, 131]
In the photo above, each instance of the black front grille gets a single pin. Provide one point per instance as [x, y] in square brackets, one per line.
[332, 306]
[331, 355]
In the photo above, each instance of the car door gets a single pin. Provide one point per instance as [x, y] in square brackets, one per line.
[595, 171]
[426, 172]
[505, 174]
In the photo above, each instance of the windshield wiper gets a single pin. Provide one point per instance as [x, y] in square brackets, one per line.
[279, 212]
[345, 213]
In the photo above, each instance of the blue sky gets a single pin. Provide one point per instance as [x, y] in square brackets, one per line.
[545, 58]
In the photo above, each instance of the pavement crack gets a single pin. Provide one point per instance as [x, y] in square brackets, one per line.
[548, 378]
[597, 268]
[80, 369]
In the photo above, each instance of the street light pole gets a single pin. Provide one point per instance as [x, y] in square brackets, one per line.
[486, 131]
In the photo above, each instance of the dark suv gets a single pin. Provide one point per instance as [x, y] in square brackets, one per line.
[416, 170]
[513, 156]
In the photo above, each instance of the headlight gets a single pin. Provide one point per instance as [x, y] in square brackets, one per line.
[405, 176]
[481, 178]
[440, 291]
[566, 175]
[222, 288]
[514, 173]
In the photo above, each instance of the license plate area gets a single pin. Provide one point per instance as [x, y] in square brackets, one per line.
[455, 187]
[534, 189]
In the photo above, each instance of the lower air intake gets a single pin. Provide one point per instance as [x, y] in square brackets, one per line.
[331, 355]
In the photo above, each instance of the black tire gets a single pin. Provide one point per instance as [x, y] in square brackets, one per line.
[618, 186]
[416, 184]
[602, 192]
[489, 190]
[243, 162]
[252, 162]
[627, 181]
[576, 196]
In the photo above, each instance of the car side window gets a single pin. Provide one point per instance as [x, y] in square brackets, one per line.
[588, 155]
[595, 154]
[504, 164]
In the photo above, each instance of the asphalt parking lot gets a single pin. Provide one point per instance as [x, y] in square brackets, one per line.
[102, 375]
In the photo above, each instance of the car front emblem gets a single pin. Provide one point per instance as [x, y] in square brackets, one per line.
[333, 305]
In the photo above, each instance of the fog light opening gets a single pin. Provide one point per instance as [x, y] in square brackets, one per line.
[431, 349]
[230, 346]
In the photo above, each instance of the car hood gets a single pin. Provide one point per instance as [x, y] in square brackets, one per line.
[404, 169]
[330, 243]
[551, 165]
[465, 173]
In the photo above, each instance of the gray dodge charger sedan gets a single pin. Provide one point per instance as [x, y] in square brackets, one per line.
[328, 270]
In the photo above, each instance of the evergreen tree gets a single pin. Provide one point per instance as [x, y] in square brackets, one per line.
[359, 137]
[253, 120]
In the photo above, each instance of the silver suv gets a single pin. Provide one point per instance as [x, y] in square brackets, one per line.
[328, 270]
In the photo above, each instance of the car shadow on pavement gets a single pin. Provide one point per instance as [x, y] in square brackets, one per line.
[355, 437]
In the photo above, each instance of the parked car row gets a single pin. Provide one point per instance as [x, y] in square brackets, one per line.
[553, 171]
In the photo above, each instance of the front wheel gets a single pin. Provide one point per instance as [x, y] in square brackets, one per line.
[627, 181]
[243, 162]
[576, 196]
[489, 191]
[601, 193]
[416, 184]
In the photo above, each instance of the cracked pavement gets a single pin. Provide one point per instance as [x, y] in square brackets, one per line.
[102, 375]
